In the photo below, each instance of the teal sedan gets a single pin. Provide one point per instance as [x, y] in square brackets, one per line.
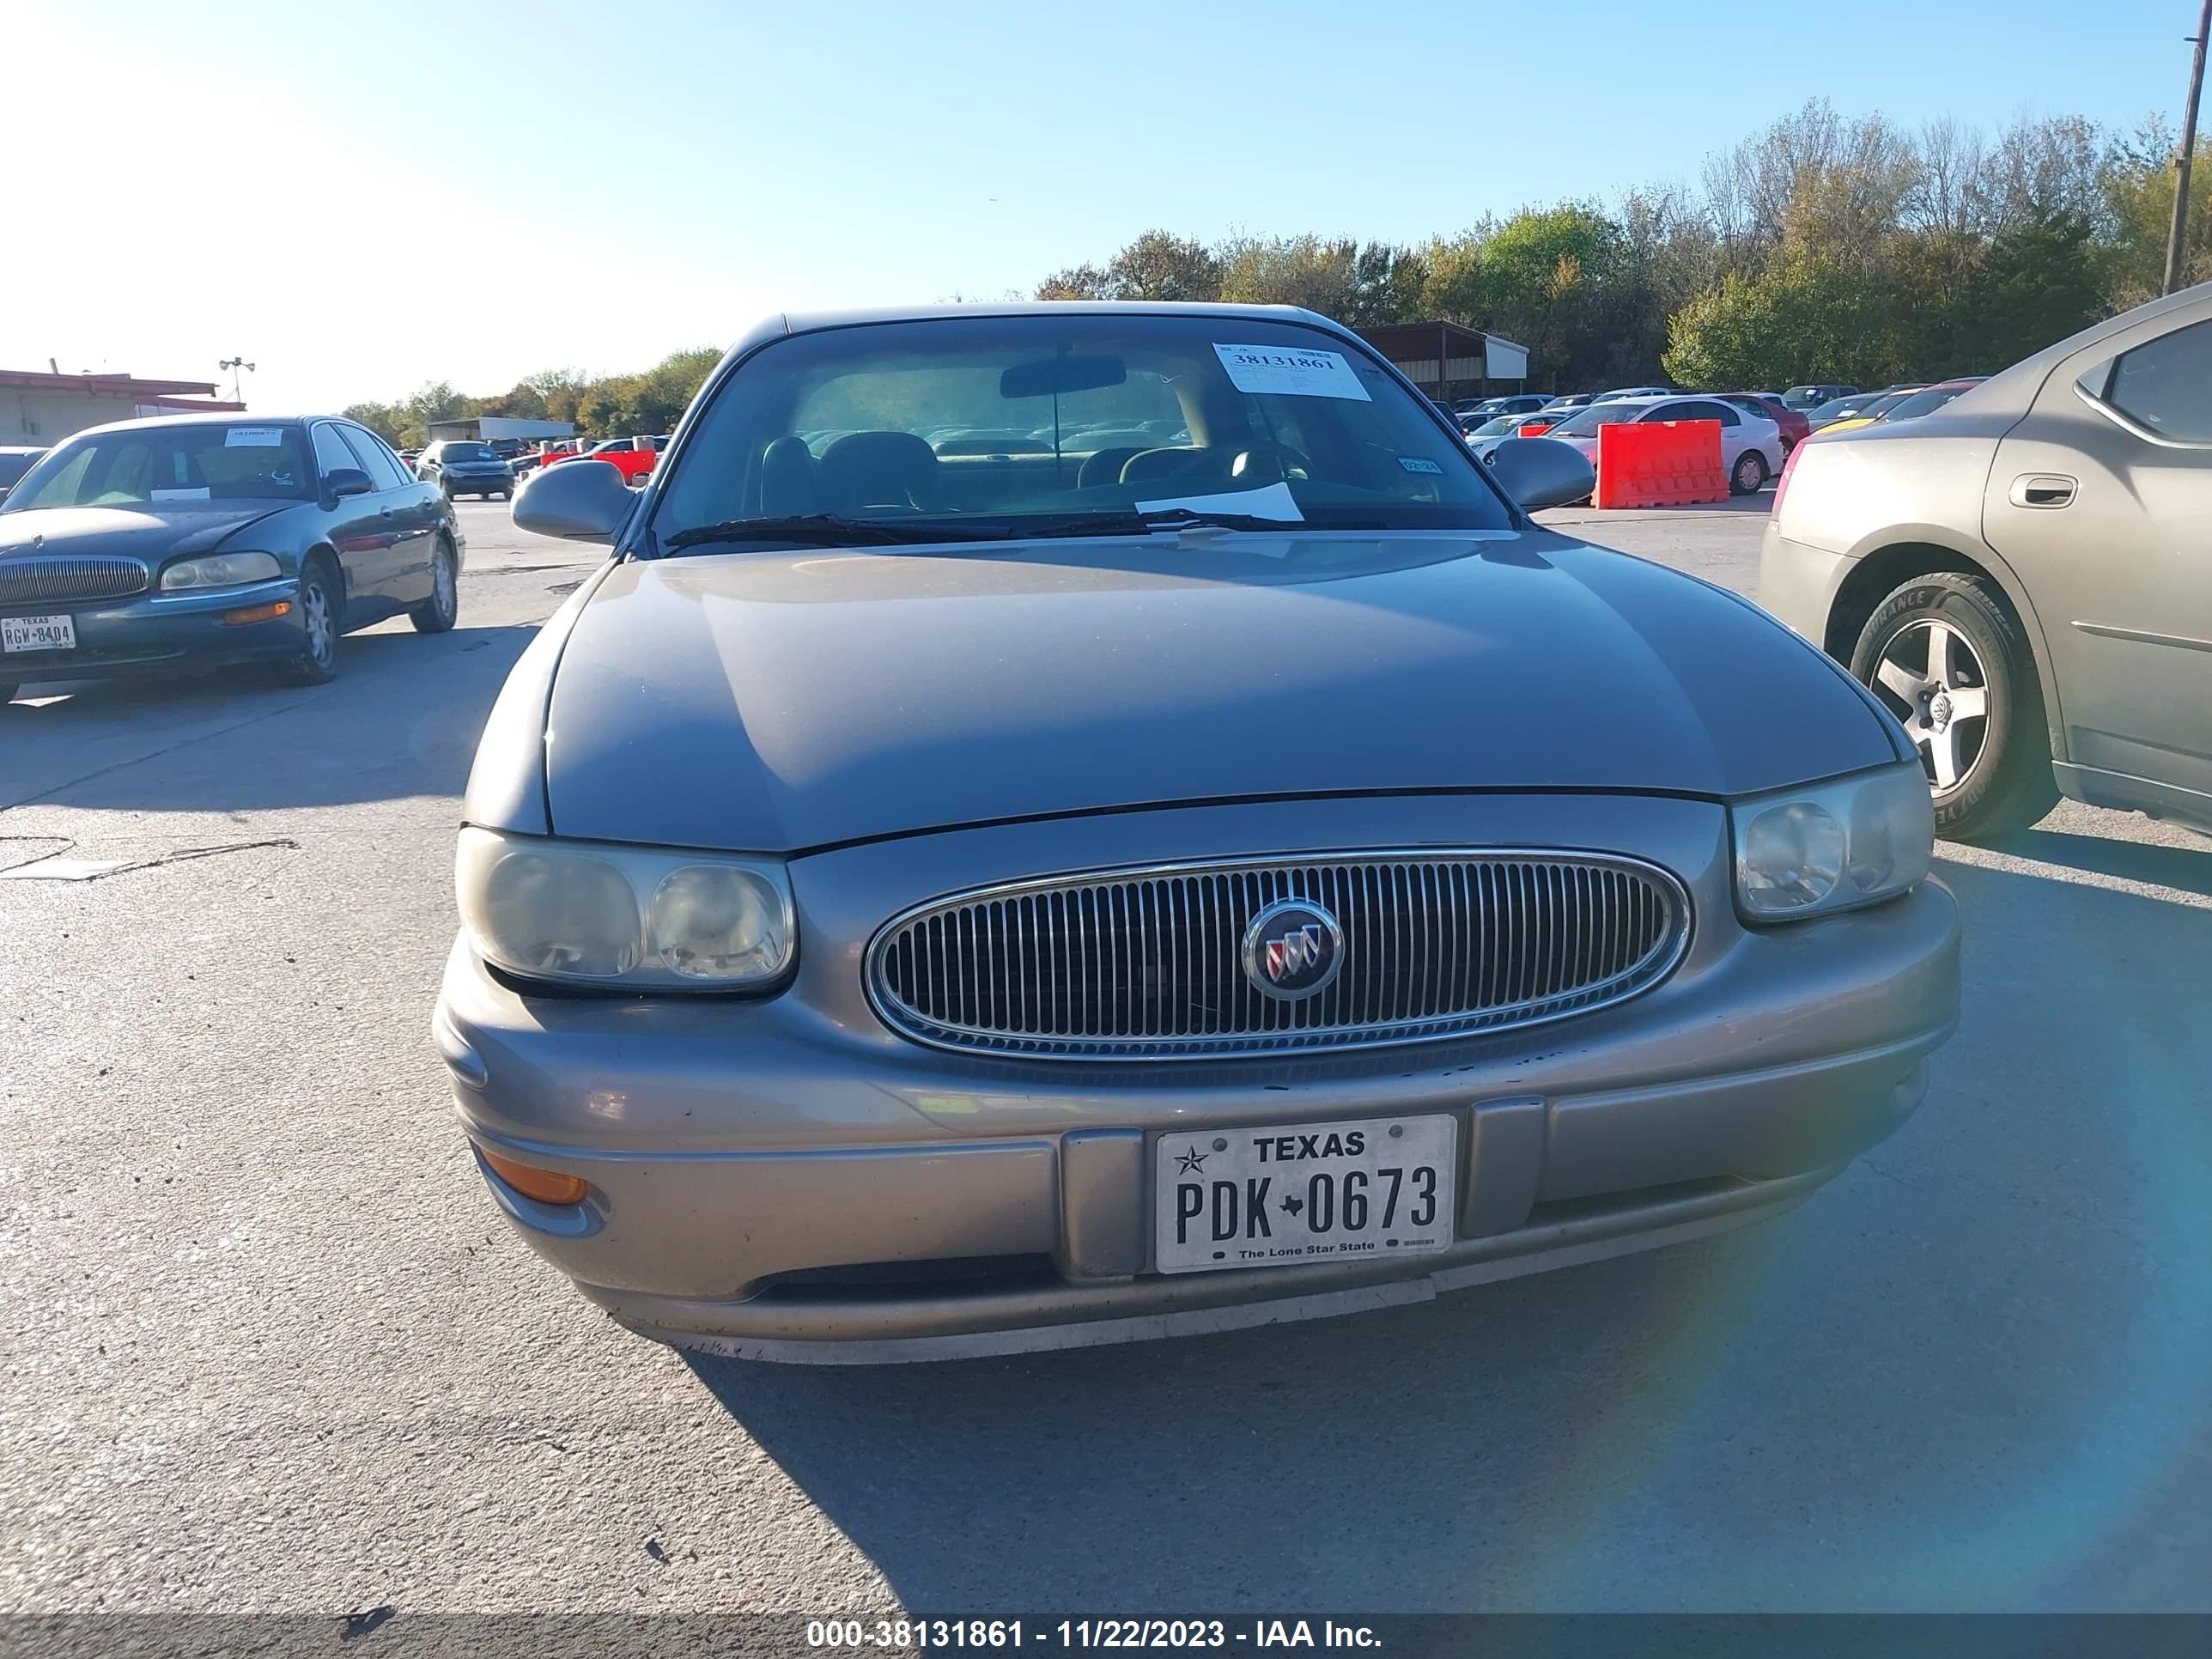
[194, 543]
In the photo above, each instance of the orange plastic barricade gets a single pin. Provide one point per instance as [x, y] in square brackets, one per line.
[1660, 463]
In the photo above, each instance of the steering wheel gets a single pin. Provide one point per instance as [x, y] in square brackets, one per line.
[1267, 463]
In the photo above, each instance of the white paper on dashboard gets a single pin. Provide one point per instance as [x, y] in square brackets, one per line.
[1275, 502]
[198, 492]
[254, 437]
[1291, 372]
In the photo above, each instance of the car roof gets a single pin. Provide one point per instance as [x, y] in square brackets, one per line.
[806, 322]
[159, 421]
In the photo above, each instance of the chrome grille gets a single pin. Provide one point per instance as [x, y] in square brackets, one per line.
[1147, 964]
[35, 578]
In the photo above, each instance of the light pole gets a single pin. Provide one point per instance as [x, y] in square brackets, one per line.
[234, 364]
[2175, 236]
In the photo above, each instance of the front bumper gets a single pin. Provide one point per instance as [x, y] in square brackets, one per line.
[784, 1179]
[483, 483]
[1798, 583]
[158, 633]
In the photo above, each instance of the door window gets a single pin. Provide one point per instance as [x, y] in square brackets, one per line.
[381, 466]
[1699, 411]
[2166, 384]
[332, 453]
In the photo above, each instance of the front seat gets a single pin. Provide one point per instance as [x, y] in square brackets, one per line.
[1104, 467]
[878, 468]
[787, 489]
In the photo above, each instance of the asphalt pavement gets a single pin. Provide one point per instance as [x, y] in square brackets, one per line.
[269, 1345]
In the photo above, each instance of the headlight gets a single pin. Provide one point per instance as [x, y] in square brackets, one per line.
[1834, 845]
[627, 917]
[219, 570]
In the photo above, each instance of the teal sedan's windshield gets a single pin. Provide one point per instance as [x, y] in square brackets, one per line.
[1052, 424]
[165, 465]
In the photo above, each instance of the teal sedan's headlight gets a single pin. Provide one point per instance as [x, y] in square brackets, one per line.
[625, 918]
[219, 570]
[1833, 846]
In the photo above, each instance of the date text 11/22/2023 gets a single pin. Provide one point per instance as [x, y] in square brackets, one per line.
[902, 1635]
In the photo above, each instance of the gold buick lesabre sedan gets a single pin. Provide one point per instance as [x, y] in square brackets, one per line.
[1066, 824]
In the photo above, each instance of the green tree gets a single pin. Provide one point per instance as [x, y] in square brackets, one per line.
[1807, 315]
[1159, 266]
[2138, 203]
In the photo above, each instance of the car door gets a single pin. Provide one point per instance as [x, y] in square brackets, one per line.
[416, 511]
[361, 528]
[2101, 500]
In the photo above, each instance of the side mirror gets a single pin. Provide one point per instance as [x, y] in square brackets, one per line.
[1541, 472]
[345, 480]
[577, 500]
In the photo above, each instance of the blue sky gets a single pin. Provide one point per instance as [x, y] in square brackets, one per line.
[362, 196]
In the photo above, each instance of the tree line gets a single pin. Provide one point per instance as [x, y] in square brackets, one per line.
[601, 406]
[1825, 248]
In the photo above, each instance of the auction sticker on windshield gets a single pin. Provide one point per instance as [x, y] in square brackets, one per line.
[1304, 1192]
[1284, 371]
[254, 437]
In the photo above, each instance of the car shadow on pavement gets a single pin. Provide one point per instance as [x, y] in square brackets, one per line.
[1968, 1374]
[401, 719]
[2187, 869]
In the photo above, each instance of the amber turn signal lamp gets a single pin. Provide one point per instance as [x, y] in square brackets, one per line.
[255, 613]
[546, 1186]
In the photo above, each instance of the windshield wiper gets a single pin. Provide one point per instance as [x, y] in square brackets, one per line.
[829, 529]
[1181, 518]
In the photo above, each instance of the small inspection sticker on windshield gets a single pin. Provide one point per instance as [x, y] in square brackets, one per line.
[254, 437]
[1420, 463]
[1294, 373]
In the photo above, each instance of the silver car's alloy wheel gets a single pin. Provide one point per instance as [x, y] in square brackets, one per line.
[1932, 670]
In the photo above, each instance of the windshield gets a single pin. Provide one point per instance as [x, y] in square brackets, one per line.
[469, 452]
[1498, 427]
[1036, 421]
[162, 466]
[1590, 416]
[1922, 403]
[13, 467]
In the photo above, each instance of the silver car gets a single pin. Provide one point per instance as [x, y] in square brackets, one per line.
[2024, 576]
[922, 903]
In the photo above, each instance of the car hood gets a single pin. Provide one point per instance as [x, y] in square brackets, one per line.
[776, 701]
[148, 533]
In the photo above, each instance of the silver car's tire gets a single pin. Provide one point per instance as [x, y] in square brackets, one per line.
[1750, 475]
[1945, 656]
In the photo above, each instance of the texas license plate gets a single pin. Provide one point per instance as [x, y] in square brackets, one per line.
[1306, 1191]
[38, 632]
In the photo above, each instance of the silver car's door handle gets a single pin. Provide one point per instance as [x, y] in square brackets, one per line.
[2043, 490]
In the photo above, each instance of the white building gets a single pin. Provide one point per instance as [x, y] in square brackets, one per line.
[41, 408]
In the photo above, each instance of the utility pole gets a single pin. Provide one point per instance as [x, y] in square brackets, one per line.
[2176, 237]
[234, 364]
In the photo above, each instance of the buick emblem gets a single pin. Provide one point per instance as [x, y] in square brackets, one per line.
[1292, 950]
